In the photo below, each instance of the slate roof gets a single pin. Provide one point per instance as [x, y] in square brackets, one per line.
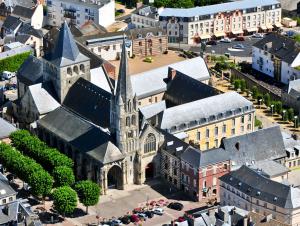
[13, 52]
[23, 12]
[123, 87]
[256, 185]
[11, 23]
[270, 168]
[172, 144]
[6, 128]
[82, 135]
[251, 147]
[204, 111]
[31, 71]
[26, 28]
[281, 46]
[153, 109]
[65, 51]
[90, 102]
[184, 89]
[213, 9]
[42, 98]
[5, 189]
[294, 88]
[198, 159]
[152, 82]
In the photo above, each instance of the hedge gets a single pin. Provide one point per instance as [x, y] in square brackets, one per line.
[13, 63]
[32, 146]
[26, 169]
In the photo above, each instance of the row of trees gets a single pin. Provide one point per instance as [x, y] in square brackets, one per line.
[61, 168]
[275, 106]
[13, 63]
[32, 146]
[185, 3]
[27, 170]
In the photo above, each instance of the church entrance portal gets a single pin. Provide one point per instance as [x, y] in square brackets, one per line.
[115, 177]
[149, 173]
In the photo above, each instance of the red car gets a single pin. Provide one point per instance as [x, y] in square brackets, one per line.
[134, 218]
[240, 38]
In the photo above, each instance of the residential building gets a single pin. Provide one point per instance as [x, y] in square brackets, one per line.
[145, 16]
[271, 169]
[78, 12]
[291, 96]
[278, 57]
[229, 216]
[150, 89]
[7, 193]
[210, 119]
[192, 25]
[250, 190]
[292, 160]
[34, 16]
[148, 41]
[200, 171]
[108, 46]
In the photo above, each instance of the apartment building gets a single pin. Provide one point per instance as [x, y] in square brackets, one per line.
[206, 121]
[7, 193]
[250, 190]
[193, 25]
[146, 16]
[78, 12]
[278, 57]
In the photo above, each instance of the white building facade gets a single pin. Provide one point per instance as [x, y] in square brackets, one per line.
[193, 25]
[80, 11]
[278, 57]
[145, 17]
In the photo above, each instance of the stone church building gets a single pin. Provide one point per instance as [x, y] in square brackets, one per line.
[100, 130]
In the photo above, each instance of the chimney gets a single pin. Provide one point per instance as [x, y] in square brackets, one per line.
[173, 74]
[245, 221]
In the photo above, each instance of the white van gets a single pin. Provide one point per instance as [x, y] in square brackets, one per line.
[7, 74]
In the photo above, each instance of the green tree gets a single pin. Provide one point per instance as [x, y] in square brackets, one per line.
[290, 113]
[243, 85]
[63, 176]
[64, 200]
[41, 183]
[174, 4]
[284, 115]
[237, 84]
[259, 96]
[254, 91]
[88, 193]
[267, 99]
[278, 107]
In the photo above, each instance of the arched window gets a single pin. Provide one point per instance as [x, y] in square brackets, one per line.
[69, 71]
[82, 68]
[133, 120]
[129, 106]
[127, 121]
[150, 143]
[75, 69]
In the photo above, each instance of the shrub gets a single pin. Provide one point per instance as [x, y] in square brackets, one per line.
[290, 114]
[64, 200]
[267, 99]
[63, 176]
[258, 123]
[254, 91]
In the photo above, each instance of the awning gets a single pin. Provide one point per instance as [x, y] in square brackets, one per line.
[237, 32]
[206, 36]
[219, 34]
[263, 27]
[278, 24]
[269, 26]
[252, 29]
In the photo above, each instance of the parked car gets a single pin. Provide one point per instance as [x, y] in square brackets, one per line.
[211, 43]
[116, 222]
[142, 216]
[149, 214]
[238, 46]
[175, 206]
[240, 38]
[134, 218]
[125, 219]
[158, 211]
[7, 74]
[121, 11]
[226, 40]
[258, 35]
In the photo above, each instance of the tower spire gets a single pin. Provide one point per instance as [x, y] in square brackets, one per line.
[124, 88]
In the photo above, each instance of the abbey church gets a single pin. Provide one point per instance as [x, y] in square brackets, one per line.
[100, 130]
